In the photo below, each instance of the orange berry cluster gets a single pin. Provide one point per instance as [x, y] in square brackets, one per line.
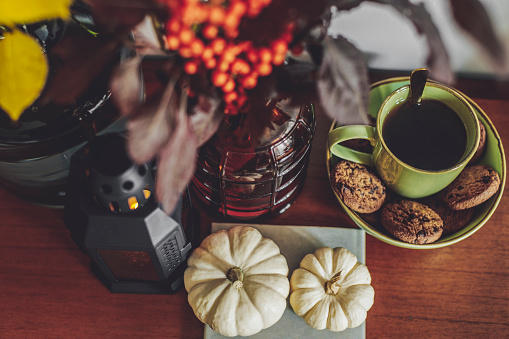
[204, 34]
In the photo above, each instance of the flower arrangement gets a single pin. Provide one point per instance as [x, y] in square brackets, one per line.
[211, 60]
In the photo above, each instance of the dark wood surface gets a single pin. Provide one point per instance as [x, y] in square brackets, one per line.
[48, 291]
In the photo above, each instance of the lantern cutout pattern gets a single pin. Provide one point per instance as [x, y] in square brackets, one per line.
[134, 246]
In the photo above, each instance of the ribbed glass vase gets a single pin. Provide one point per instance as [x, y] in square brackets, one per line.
[245, 179]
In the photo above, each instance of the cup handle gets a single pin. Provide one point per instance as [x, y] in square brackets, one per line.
[349, 132]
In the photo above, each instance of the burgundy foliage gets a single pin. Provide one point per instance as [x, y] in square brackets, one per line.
[151, 89]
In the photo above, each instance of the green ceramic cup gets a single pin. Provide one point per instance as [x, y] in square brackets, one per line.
[406, 180]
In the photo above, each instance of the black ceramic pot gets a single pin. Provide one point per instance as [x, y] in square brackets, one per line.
[35, 151]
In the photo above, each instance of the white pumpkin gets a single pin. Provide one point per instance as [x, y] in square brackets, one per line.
[331, 289]
[237, 281]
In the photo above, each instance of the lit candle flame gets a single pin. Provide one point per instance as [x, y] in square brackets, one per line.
[133, 203]
[146, 193]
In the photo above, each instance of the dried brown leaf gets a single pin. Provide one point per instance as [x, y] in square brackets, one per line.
[147, 41]
[126, 86]
[272, 20]
[150, 130]
[343, 82]
[176, 163]
[298, 80]
[472, 17]
[120, 16]
[205, 118]
[157, 71]
[438, 58]
[256, 121]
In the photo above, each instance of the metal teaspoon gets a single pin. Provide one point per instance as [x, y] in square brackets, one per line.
[418, 80]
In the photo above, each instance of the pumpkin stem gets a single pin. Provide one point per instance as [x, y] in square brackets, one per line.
[236, 276]
[332, 286]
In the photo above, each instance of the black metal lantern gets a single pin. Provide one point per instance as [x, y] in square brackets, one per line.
[134, 246]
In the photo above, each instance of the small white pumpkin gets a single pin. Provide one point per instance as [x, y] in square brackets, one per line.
[237, 281]
[331, 289]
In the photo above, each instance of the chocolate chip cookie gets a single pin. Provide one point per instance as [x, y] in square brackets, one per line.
[412, 222]
[474, 185]
[453, 220]
[358, 187]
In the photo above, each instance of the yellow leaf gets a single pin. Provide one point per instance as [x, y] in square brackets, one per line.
[23, 72]
[28, 11]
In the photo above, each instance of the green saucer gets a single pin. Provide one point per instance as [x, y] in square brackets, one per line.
[493, 156]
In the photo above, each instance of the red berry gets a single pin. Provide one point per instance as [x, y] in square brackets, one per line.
[219, 79]
[173, 26]
[279, 47]
[186, 52]
[278, 59]
[191, 67]
[231, 97]
[173, 42]
[249, 82]
[264, 69]
[239, 8]
[210, 32]
[252, 56]
[240, 66]
[217, 15]
[186, 36]
[265, 55]
[229, 86]
[210, 63]
[197, 47]
[218, 45]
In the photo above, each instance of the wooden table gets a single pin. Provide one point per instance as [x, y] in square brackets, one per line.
[48, 291]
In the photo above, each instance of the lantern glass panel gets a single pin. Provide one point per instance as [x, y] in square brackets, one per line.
[130, 265]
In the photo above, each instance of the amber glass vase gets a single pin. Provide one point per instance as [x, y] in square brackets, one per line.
[243, 178]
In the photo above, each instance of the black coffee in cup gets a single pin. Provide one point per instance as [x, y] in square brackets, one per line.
[429, 136]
